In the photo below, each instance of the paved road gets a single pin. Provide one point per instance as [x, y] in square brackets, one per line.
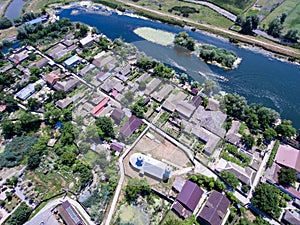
[218, 9]
[121, 180]
[276, 47]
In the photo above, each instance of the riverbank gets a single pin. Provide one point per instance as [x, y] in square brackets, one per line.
[3, 6]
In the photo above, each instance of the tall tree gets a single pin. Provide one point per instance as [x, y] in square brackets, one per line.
[266, 198]
[275, 28]
[287, 176]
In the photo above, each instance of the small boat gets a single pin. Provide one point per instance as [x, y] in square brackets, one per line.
[223, 78]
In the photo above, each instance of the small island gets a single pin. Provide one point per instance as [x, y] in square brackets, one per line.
[154, 35]
[210, 54]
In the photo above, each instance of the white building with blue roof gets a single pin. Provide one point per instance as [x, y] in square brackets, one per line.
[72, 60]
[29, 90]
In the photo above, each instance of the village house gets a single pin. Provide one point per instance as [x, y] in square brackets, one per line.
[215, 210]
[188, 200]
[130, 126]
[117, 115]
[51, 78]
[64, 103]
[72, 60]
[66, 85]
[29, 90]
[69, 215]
[87, 41]
[233, 136]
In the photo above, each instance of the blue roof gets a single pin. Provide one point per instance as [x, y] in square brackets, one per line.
[72, 60]
[26, 91]
[35, 21]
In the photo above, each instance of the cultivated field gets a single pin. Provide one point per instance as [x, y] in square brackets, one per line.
[291, 7]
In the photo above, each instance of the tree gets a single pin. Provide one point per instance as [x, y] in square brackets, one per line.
[20, 215]
[269, 134]
[248, 140]
[106, 127]
[68, 158]
[275, 28]
[234, 105]
[160, 70]
[33, 104]
[285, 129]
[136, 187]
[287, 176]
[249, 24]
[239, 20]
[172, 222]
[230, 178]
[142, 86]
[184, 40]
[292, 35]
[183, 77]
[35, 71]
[283, 17]
[5, 23]
[209, 86]
[266, 198]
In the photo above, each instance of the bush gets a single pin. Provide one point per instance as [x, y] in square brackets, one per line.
[273, 153]
[5, 23]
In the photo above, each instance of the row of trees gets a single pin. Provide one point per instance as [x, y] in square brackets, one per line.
[247, 24]
[276, 26]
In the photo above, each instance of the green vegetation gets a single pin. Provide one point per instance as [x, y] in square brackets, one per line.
[235, 6]
[214, 54]
[269, 199]
[230, 178]
[139, 107]
[136, 187]
[258, 221]
[249, 24]
[15, 151]
[183, 39]
[5, 23]
[287, 176]
[291, 7]
[40, 35]
[105, 128]
[273, 153]
[285, 129]
[231, 153]
[256, 116]
[160, 70]
[183, 10]
[20, 215]
[208, 183]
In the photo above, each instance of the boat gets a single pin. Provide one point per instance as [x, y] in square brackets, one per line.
[223, 78]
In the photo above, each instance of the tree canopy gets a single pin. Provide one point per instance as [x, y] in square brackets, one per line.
[230, 178]
[287, 176]
[20, 215]
[5, 23]
[105, 126]
[266, 198]
[136, 187]
[184, 40]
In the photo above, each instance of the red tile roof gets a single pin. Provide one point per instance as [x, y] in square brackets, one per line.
[52, 78]
[98, 108]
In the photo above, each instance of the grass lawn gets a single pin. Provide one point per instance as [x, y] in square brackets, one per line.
[90, 157]
[291, 7]
[235, 6]
[205, 15]
[9, 206]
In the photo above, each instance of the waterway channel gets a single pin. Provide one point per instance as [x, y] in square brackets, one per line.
[260, 78]
[14, 9]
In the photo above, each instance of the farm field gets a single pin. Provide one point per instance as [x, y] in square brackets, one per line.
[291, 7]
[203, 14]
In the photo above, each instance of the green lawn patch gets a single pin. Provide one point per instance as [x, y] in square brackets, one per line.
[231, 153]
[273, 153]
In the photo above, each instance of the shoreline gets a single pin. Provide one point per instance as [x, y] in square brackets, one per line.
[240, 44]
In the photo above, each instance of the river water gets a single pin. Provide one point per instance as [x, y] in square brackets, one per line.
[14, 9]
[259, 78]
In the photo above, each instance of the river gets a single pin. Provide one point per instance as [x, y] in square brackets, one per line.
[14, 9]
[259, 78]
